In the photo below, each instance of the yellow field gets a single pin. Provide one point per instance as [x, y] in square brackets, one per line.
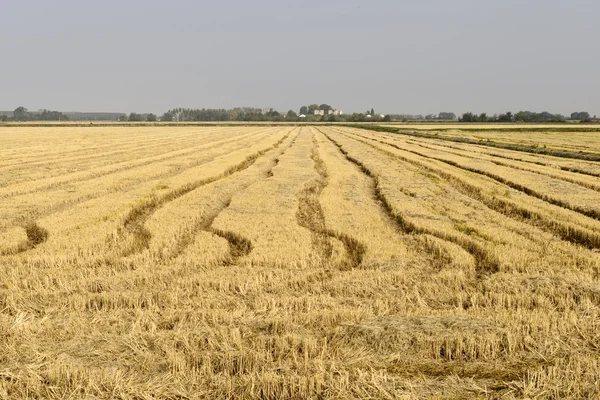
[495, 126]
[293, 262]
[569, 137]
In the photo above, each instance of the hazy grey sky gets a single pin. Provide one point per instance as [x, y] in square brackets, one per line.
[416, 56]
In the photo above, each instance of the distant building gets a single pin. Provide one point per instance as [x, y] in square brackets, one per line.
[301, 116]
[328, 112]
[368, 115]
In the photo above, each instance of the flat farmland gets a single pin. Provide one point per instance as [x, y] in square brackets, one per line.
[583, 138]
[296, 262]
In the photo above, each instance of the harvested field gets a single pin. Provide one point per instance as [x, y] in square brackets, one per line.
[566, 140]
[292, 262]
[557, 138]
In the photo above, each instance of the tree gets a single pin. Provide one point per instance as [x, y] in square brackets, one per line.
[312, 108]
[151, 117]
[387, 118]
[506, 117]
[20, 114]
[123, 118]
[4, 118]
[483, 117]
[167, 117]
[466, 117]
[544, 116]
[447, 116]
[524, 116]
[46, 115]
[304, 110]
[581, 116]
[291, 115]
[325, 107]
[372, 112]
[135, 117]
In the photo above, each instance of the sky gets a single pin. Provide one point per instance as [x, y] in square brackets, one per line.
[396, 56]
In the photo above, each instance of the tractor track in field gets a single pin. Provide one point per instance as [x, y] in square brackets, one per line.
[87, 156]
[160, 158]
[61, 206]
[519, 168]
[133, 230]
[36, 235]
[573, 155]
[480, 151]
[570, 233]
[93, 153]
[594, 214]
[574, 170]
[485, 262]
[310, 216]
[238, 245]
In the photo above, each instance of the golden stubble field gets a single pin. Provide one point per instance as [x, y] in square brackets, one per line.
[292, 262]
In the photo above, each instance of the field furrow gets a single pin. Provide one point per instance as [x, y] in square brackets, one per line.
[96, 234]
[554, 191]
[351, 206]
[581, 167]
[413, 196]
[569, 225]
[35, 205]
[77, 144]
[176, 226]
[133, 232]
[89, 153]
[540, 146]
[266, 212]
[61, 179]
[586, 181]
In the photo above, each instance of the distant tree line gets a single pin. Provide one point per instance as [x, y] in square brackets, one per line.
[443, 116]
[483, 117]
[249, 114]
[219, 114]
[306, 114]
[21, 114]
[238, 114]
[93, 116]
[135, 117]
[582, 116]
[525, 116]
[354, 117]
